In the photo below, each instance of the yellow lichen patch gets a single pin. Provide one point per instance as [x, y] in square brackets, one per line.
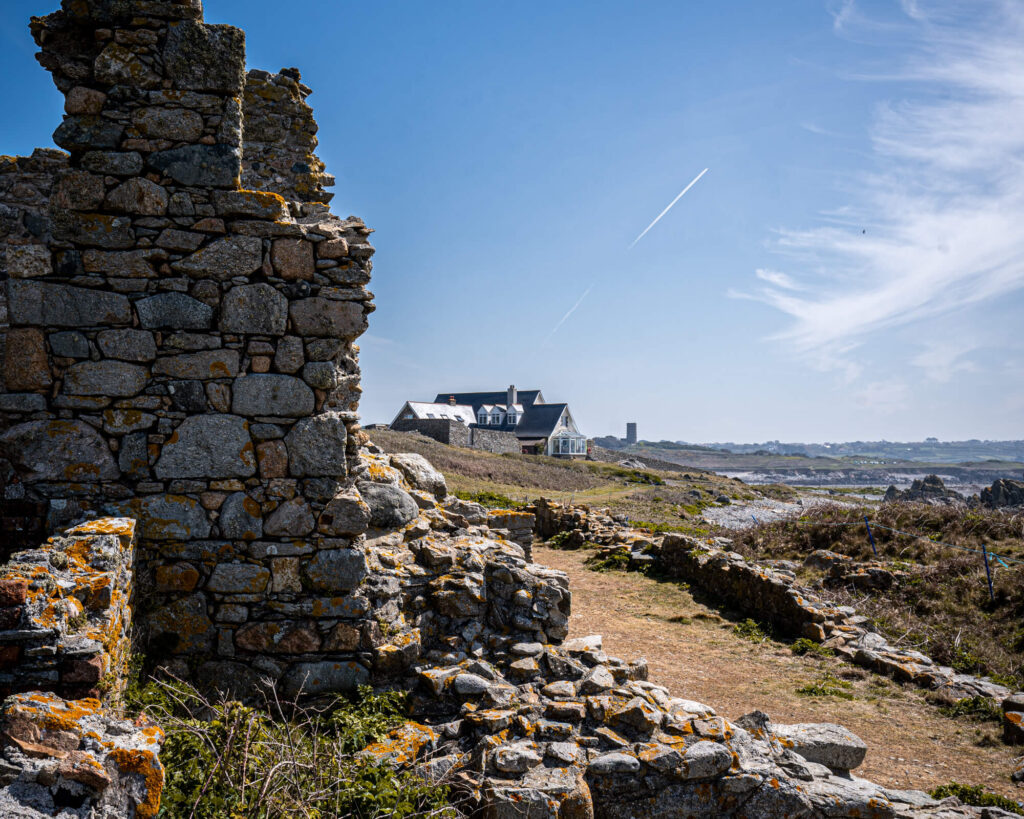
[147, 765]
[403, 744]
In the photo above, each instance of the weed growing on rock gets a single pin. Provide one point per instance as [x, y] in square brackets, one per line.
[492, 500]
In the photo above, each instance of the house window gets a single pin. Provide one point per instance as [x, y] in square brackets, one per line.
[408, 416]
[496, 418]
[511, 417]
[482, 417]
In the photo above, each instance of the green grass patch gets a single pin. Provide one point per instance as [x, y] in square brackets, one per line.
[617, 561]
[977, 796]
[977, 708]
[807, 646]
[492, 500]
[828, 685]
[751, 630]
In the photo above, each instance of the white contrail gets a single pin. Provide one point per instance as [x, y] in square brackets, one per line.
[572, 310]
[670, 204]
[637, 239]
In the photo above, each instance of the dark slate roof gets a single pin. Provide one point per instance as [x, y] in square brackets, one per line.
[539, 420]
[478, 399]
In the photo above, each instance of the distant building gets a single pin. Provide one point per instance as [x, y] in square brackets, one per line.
[631, 432]
[509, 421]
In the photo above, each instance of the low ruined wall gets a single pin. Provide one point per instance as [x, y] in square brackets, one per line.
[65, 610]
[452, 433]
[455, 433]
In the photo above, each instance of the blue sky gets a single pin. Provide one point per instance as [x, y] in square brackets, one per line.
[850, 267]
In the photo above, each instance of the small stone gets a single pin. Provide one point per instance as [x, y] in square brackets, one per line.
[336, 569]
[127, 345]
[323, 677]
[26, 366]
[332, 249]
[83, 100]
[291, 519]
[223, 259]
[129, 264]
[289, 357]
[286, 576]
[271, 394]
[240, 518]
[208, 446]
[214, 166]
[180, 241]
[185, 623]
[202, 57]
[138, 196]
[166, 517]
[322, 375]
[122, 421]
[346, 514]
[420, 474]
[515, 758]
[70, 344]
[80, 132]
[174, 311]
[28, 261]
[238, 578]
[201, 366]
[293, 259]
[614, 763]
[598, 680]
[176, 577]
[115, 163]
[704, 760]
[390, 507]
[257, 309]
[177, 124]
[37, 303]
[78, 190]
[316, 446]
[825, 743]
[108, 378]
[323, 317]
[273, 459]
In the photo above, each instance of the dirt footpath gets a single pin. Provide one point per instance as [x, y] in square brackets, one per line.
[693, 652]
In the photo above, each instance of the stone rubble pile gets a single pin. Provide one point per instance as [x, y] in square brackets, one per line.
[930, 490]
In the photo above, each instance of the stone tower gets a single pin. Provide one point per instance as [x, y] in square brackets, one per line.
[631, 433]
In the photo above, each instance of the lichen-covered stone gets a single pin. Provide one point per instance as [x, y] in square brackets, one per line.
[223, 259]
[58, 451]
[271, 394]
[215, 166]
[116, 378]
[238, 578]
[346, 514]
[292, 518]
[39, 303]
[199, 366]
[240, 518]
[336, 569]
[165, 517]
[174, 311]
[325, 677]
[127, 345]
[254, 308]
[208, 446]
[316, 446]
[390, 506]
[323, 317]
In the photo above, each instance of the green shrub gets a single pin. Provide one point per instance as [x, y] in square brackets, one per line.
[610, 561]
[750, 630]
[828, 686]
[557, 540]
[979, 708]
[976, 795]
[807, 646]
[226, 760]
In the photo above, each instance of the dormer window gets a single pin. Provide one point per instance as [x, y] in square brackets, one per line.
[496, 418]
[482, 417]
[511, 417]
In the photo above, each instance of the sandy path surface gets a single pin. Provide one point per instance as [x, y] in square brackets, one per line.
[692, 651]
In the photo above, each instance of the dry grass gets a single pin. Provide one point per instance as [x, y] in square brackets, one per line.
[943, 608]
[692, 650]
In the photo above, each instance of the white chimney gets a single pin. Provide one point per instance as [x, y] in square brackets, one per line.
[513, 396]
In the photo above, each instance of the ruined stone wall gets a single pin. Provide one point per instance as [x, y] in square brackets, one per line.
[455, 433]
[280, 137]
[181, 350]
[66, 613]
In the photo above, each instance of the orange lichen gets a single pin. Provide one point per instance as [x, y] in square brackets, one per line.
[147, 765]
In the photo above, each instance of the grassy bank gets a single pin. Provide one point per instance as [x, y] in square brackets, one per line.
[942, 605]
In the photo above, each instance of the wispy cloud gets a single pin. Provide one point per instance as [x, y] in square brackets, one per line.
[776, 278]
[941, 360]
[883, 397]
[936, 226]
